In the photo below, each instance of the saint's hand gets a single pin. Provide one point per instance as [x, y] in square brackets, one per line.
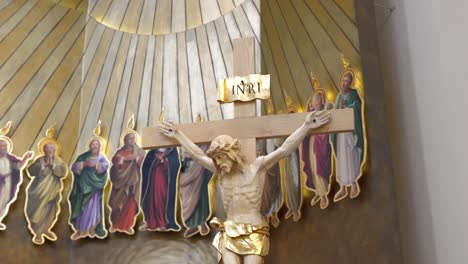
[28, 155]
[168, 129]
[90, 163]
[317, 119]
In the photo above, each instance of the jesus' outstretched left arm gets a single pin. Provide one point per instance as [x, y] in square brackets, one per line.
[313, 121]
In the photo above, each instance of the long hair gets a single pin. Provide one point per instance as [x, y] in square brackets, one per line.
[230, 147]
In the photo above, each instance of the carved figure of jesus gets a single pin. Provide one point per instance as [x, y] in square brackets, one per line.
[244, 236]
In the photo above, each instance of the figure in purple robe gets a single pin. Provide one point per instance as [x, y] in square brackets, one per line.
[10, 176]
[317, 156]
[90, 174]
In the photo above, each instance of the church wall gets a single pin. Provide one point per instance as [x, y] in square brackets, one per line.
[423, 46]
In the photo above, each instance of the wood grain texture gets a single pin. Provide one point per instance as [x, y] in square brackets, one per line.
[263, 127]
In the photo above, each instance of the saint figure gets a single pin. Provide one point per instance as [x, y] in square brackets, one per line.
[159, 190]
[316, 156]
[291, 171]
[10, 175]
[90, 173]
[44, 192]
[272, 198]
[349, 147]
[194, 196]
[125, 176]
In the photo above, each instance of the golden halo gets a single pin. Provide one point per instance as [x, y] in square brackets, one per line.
[101, 140]
[137, 137]
[345, 72]
[46, 141]
[323, 92]
[9, 142]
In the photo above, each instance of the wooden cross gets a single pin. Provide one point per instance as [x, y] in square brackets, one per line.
[246, 126]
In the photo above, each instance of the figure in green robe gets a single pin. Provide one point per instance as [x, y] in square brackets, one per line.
[90, 174]
[349, 147]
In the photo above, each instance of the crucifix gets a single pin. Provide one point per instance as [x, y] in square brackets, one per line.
[244, 235]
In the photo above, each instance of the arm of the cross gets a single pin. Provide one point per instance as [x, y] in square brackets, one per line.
[249, 127]
[313, 122]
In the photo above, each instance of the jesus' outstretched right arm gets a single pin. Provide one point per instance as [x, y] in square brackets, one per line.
[195, 152]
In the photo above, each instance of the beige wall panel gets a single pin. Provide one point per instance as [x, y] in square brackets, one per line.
[21, 78]
[100, 9]
[299, 72]
[134, 92]
[91, 115]
[10, 9]
[91, 79]
[280, 59]
[225, 44]
[93, 38]
[156, 85]
[40, 106]
[185, 108]
[59, 114]
[349, 28]
[116, 13]
[193, 14]
[147, 17]
[219, 66]
[348, 7]
[36, 38]
[118, 117]
[110, 100]
[197, 93]
[163, 22]
[209, 81]
[231, 26]
[145, 94]
[68, 137]
[210, 10]
[170, 93]
[269, 67]
[178, 16]
[342, 42]
[11, 20]
[10, 41]
[132, 17]
[329, 54]
[33, 88]
[226, 6]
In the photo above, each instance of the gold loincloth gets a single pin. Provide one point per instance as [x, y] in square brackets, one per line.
[242, 239]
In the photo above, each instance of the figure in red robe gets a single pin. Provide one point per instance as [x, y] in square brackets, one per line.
[125, 176]
[159, 190]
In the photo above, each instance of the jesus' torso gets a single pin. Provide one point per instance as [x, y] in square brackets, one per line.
[242, 194]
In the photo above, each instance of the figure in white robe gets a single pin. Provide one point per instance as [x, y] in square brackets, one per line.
[349, 147]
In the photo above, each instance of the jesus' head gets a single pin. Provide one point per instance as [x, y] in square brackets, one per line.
[226, 155]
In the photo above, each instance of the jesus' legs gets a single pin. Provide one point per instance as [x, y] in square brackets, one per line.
[230, 257]
[253, 259]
